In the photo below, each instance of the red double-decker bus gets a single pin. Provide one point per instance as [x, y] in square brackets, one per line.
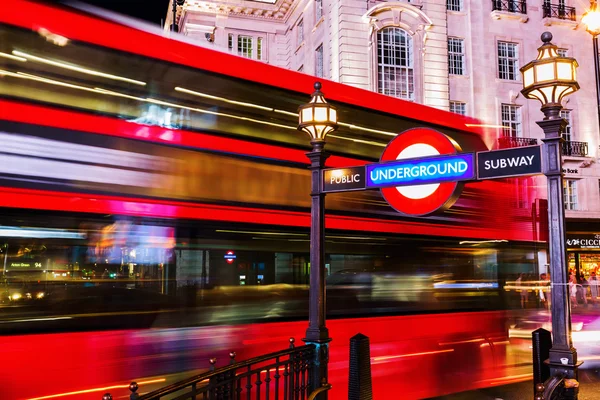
[154, 200]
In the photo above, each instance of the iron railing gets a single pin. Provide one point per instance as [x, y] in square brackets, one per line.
[506, 142]
[575, 149]
[513, 6]
[559, 11]
[283, 375]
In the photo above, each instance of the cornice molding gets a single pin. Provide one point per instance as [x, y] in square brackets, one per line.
[280, 11]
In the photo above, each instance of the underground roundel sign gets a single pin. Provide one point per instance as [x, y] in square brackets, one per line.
[423, 199]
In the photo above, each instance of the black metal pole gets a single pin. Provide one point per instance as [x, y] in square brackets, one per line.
[317, 331]
[597, 74]
[563, 356]
[173, 26]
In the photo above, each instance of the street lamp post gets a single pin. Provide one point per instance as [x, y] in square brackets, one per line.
[550, 78]
[591, 20]
[174, 26]
[317, 119]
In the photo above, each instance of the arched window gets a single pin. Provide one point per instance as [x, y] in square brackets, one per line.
[395, 63]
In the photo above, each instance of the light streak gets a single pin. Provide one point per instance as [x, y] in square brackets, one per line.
[76, 68]
[102, 389]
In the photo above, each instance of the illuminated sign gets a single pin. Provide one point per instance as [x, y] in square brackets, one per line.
[583, 241]
[509, 162]
[456, 167]
[229, 257]
[421, 171]
[344, 179]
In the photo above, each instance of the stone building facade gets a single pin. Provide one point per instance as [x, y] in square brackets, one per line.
[458, 55]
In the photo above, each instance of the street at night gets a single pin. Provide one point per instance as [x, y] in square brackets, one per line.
[300, 199]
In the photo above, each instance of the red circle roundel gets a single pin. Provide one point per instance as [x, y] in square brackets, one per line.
[420, 200]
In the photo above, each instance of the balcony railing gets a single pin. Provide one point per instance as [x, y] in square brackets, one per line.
[559, 11]
[513, 6]
[506, 142]
[575, 149]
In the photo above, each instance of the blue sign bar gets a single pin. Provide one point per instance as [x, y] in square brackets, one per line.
[420, 171]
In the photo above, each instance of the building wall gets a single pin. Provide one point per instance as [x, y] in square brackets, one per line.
[348, 32]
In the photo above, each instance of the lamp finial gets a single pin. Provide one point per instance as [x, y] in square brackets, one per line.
[546, 37]
[318, 86]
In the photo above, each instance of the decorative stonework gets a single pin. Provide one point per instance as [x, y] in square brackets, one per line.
[509, 15]
[279, 11]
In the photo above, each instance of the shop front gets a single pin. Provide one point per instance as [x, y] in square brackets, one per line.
[583, 251]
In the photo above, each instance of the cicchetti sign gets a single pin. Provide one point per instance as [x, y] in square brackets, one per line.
[583, 241]
[422, 171]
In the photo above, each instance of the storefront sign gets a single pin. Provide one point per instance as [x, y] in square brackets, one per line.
[584, 241]
[510, 162]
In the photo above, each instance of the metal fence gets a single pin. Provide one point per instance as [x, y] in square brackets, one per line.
[507, 142]
[283, 375]
[559, 11]
[576, 149]
[514, 6]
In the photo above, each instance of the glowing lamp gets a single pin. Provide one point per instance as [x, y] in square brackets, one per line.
[591, 20]
[550, 77]
[317, 118]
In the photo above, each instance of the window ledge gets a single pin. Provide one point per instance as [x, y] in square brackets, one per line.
[509, 15]
[515, 81]
[463, 76]
[575, 158]
[301, 45]
[557, 21]
[319, 22]
[450, 12]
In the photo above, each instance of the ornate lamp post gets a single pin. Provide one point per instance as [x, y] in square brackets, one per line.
[550, 78]
[591, 20]
[317, 118]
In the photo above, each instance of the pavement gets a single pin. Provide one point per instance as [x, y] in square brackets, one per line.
[589, 390]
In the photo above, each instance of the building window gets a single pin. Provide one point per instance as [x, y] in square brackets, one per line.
[259, 48]
[570, 194]
[563, 52]
[245, 46]
[511, 120]
[300, 28]
[395, 63]
[566, 114]
[456, 56]
[319, 61]
[454, 5]
[508, 61]
[458, 107]
[318, 9]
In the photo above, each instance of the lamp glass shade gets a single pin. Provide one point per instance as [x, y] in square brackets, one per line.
[306, 115]
[333, 115]
[317, 118]
[550, 77]
[320, 114]
[565, 71]
[544, 72]
[528, 77]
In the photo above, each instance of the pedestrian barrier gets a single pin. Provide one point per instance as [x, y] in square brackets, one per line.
[283, 375]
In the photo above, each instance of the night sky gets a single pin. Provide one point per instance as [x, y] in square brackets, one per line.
[150, 10]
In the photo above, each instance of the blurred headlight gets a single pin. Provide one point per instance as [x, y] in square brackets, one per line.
[16, 296]
[40, 295]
